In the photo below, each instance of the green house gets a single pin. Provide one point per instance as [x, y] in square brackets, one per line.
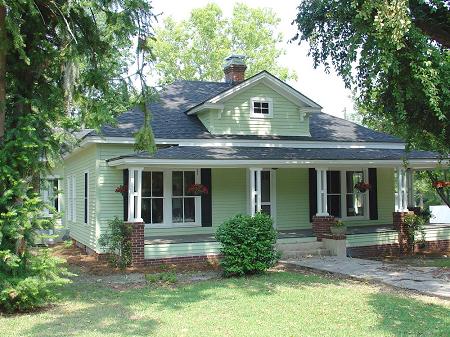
[256, 144]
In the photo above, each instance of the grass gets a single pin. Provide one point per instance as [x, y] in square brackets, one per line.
[274, 304]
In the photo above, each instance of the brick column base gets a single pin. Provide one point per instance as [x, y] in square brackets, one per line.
[137, 243]
[399, 224]
[321, 225]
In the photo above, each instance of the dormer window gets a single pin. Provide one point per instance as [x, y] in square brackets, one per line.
[261, 107]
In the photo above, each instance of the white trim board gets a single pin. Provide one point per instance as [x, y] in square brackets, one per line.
[249, 143]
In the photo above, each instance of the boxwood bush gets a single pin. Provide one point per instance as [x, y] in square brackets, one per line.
[248, 244]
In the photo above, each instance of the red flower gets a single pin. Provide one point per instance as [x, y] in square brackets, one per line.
[198, 189]
[441, 184]
[362, 186]
[122, 189]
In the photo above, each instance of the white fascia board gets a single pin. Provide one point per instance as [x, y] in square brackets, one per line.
[250, 143]
[122, 163]
[279, 86]
[205, 106]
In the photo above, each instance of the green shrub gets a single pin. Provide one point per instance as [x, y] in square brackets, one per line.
[30, 282]
[414, 226]
[248, 244]
[117, 242]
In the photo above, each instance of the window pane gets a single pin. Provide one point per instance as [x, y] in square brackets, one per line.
[189, 180]
[265, 111]
[146, 184]
[157, 184]
[189, 210]
[334, 182]
[157, 210]
[265, 105]
[177, 209]
[135, 175]
[265, 186]
[265, 209]
[353, 177]
[257, 110]
[355, 204]
[256, 104]
[334, 205]
[177, 183]
[146, 210]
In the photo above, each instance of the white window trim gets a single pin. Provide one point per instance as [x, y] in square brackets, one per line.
[255, 190]
[262, 100]
[167, 200]
[74, 200]
[69, 200]
[86, 188]
[344, 193]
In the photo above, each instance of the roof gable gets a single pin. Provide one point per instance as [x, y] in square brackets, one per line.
[266, 78]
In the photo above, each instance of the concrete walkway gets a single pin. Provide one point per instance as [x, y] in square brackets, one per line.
[428, 280]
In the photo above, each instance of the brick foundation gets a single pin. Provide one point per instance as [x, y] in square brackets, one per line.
[137, 243]
[394, 249]
[321, 225]
[213, 259]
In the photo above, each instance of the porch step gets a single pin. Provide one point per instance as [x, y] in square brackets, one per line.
[299, 245]
[298, 250]
[295, 254]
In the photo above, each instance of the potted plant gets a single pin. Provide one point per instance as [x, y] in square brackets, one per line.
[197, 190]
[362, 186]
[339, 228]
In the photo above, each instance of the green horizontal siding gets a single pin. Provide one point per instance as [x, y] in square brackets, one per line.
[181, 249]
[235, 118]
[358, 240]
[434, 233]
[292, 198]
[77, 165]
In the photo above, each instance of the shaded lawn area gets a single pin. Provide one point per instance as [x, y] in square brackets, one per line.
[274, 304]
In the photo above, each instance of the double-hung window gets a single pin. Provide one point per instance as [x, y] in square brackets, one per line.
[86, 197]
[152, 205]
[183, 204]
[166, 201]
[343, 199]
[50, 194]
[71, 198]
[261, 107]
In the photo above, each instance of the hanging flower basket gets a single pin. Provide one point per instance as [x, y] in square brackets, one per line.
[197, 190]
[362, 186]
[123, 189]
[441, 184]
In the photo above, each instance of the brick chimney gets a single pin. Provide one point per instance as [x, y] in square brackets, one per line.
[234, 68]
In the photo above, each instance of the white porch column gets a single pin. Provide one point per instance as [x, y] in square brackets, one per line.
[411, 201]
[134, 194]
[402, 200]
[255, 190]
[322, 204]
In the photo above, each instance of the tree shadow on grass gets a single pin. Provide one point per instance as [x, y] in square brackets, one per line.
[266, 284]
[101, 310]
[406, 316]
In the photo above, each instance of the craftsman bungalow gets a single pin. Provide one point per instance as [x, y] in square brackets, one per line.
[256, 144]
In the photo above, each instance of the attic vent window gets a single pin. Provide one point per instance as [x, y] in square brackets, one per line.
[261, 107]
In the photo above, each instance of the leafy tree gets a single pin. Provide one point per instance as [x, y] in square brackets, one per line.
[196, 48]
[63, 64]
[394, 54]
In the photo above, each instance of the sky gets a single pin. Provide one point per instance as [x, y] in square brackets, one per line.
[328, 90]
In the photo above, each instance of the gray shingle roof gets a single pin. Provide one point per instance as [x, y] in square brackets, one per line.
[170, 120]
[271, 153]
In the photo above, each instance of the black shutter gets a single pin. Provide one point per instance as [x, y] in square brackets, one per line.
[373, 199]
[206, 199]
[125, 195]
[312, 193]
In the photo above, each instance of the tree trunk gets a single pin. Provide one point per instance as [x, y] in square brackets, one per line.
[3, 47]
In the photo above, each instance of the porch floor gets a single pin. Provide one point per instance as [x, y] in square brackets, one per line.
[282, 234]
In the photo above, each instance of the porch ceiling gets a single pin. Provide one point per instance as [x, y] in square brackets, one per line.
[280, 156]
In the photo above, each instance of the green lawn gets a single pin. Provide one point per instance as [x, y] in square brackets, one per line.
[275, 304]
